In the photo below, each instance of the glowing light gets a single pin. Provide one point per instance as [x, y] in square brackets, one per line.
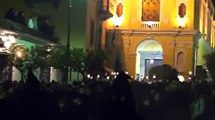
[181, 78]
[190, 73]
[150, 23]
[7, 44]
[8, 40]
[98, 76]
[19, 54]
[88, 76]
[4, 38]
[151, 61]
[12, 39]
[117, 21]
[147, 77]
[154, 76]
[181, 21]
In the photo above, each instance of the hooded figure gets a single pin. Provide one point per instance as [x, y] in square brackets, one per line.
[36, 103]
[122, 107]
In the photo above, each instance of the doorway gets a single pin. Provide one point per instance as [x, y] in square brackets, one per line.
[149, 54]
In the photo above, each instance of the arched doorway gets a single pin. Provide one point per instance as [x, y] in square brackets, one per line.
[149, 54]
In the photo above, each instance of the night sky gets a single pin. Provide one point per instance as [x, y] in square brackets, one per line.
[58, 17]
[78, 21]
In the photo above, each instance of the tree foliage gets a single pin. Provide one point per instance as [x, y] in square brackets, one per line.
[78, 57]
[47, 56]
[60, 58]
[95, 62]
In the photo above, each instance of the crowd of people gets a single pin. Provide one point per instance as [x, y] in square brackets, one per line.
[37, 23]
[119, 99]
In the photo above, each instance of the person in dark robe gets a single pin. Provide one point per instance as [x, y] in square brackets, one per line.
[21, 19]
[36, 103]
[122, 105]
[11, 14]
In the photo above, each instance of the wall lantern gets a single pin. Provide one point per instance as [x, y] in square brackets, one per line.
[181, 22]
[19, 52]
[117, 21]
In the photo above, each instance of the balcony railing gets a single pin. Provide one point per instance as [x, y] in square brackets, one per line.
[25, 30]
[150, 25]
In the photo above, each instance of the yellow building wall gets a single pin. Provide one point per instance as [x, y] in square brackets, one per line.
[183, 44]
[132, 10]
[131, 21]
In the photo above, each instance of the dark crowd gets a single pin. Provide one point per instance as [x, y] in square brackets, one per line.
[119, 99]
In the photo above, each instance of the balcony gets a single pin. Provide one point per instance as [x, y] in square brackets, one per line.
[150, 25]
[32, 35]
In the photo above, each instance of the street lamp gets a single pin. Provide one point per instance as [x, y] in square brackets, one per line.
[67, 52]
[69, 25]
[19, 54]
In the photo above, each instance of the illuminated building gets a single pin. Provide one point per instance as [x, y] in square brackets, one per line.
[144, 33]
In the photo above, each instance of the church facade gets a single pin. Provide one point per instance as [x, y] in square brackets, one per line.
[140, 34]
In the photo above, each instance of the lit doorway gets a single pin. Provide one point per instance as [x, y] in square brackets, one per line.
[150, 63]
[149, 54]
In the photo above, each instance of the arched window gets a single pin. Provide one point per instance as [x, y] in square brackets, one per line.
[180, 59]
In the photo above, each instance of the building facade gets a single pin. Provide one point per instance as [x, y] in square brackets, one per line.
[140, 34]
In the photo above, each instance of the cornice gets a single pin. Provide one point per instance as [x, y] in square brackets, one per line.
[175, 32]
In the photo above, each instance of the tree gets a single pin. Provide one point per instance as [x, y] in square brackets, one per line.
[30, 58]
[61, 59]
[39, 58]
[19, 58]
[77, 62]
[94, 62]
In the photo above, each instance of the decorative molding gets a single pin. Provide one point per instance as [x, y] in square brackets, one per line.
[158, 32]
[181, 43]
[126, 43]
[132, 54]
